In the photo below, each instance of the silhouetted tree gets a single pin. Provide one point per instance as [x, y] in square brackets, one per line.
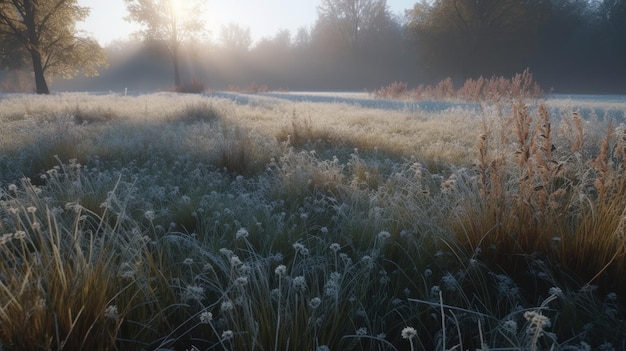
[168, 21]
[348, 24]
[479, 37]
[235, 37]
[45, 31]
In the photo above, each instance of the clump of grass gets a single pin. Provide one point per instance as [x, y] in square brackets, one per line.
[193, 87]
[84, 115]
[520, 86]
[197, 112]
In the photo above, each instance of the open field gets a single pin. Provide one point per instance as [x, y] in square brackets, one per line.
[311, 222]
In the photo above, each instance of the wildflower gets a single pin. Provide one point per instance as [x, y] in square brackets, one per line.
[383, 235]
[299, 283]
[12, 187]
[19, 235]
[367, 260]
[331, 288]
[149, 215]
[241, 281]
[111, 312]
[226, 306]
[226, 252]
[206, 317]
[409, 333]
[510, 326]
[194, 292]
[428, 272]
[31, 209]
[235, 261]
[298, 247]
[324, 230]
[449, 281]
[335, 247]
[4, 239]
[242, 233]
[611, 296]
[207, 267]
[361, 331]
[315, 302]
[188, 261]
[537, 319]
[227, 334]
[281, 270]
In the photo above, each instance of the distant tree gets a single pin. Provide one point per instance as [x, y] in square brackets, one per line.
[170, 22]
[479, 37]
[350, 23]
[45, 31]
[235, 37]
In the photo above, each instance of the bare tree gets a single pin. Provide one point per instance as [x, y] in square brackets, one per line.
[45, 31]
[235, 37]
[353, 21]
[168, 21]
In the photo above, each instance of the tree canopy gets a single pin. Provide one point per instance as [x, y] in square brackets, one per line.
[169, 22]
[45, 31]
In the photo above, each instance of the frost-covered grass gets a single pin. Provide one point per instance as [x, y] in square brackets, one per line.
[178, 222]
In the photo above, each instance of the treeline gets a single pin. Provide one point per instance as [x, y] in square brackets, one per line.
[569, 45]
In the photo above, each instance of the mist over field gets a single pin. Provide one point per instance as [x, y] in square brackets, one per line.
[571, 46]
[454, 179]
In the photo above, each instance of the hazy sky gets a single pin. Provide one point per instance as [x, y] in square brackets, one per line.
[264, 17]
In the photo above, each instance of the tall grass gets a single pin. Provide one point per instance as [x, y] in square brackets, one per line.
[186, 222]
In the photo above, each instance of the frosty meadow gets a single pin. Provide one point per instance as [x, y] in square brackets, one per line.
[189, 222]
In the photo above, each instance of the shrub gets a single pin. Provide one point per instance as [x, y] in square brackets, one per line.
[193, 87]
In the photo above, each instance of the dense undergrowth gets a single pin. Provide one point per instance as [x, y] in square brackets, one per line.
[184, 222]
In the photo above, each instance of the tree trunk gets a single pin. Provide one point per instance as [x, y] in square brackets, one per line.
[176, 70]
[33, 46]
[40, 78]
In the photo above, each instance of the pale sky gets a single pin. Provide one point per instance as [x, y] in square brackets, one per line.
[264, 17]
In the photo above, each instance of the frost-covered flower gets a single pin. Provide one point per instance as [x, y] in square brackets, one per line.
[12, 187]
[242, 233]
[384, 235]
[537, 319]
[19, 235]
[149, 215]
[235, 261]
[188, 261]
[111, 312]
[281, 270]
[450, 282]
[409, 333]
[299, 283]
[227, 334]
[241, 281]
[510, 326]
[206, 317]
[31, 209]
[361, 331]
[226, 252]
[315, 302]
[194, 292]
[324, 230]
[335, 247]
[226, 306]
[297, 246]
